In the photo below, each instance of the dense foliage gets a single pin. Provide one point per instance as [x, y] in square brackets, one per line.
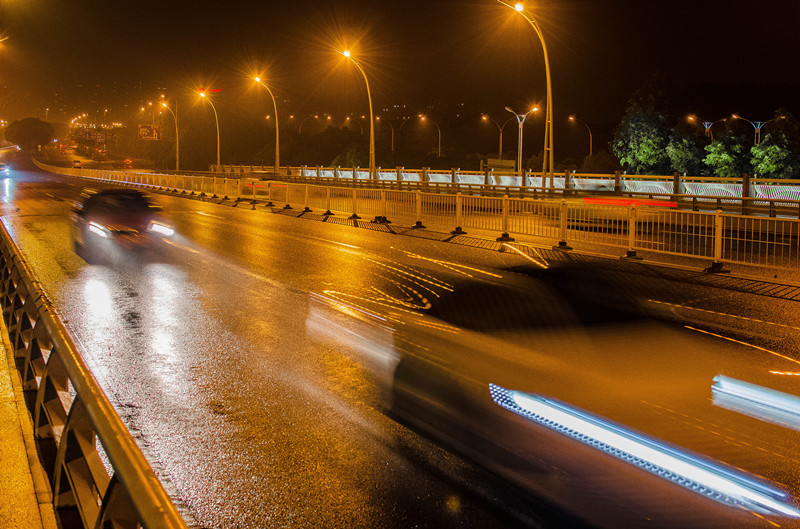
[648, 140]
[30, 133]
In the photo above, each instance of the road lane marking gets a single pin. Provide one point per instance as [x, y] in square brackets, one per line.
[724, 314]
[210, 215]
[744, 343]
[528, 257]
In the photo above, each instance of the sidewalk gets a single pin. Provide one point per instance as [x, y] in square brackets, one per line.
[25, 498]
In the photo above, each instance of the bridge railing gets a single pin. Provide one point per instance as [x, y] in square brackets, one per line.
[637, 224]
[98, 474]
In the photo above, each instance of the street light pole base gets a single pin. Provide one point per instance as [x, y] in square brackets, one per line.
[716, 268]
[458, 231]
[562, 245]
[505, 238]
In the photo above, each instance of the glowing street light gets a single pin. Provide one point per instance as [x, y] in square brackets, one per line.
[757, 125]
[216, 119]
[706, 124]
[423, 118]
[177, 147]
[573, 118]
[520, 121]
[372, 174]
[500, 128]
[277, 140]
[548, 128]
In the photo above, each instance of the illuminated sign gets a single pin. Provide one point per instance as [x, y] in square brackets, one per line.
[149, 132]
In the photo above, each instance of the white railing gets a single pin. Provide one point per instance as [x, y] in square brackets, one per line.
[759, 241]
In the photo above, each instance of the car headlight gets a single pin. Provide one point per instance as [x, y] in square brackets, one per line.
[99, 230]
[161, 229]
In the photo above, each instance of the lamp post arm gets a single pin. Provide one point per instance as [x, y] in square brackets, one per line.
[177, 137]
[277, 129]
[216, 119]
[371, 121]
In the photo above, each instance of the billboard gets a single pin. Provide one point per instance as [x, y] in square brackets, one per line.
[149, 132]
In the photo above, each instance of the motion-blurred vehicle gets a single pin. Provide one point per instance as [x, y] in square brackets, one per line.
[584, 395]
[127, 163]
[4, 169]
[77, 164]
[110, 222]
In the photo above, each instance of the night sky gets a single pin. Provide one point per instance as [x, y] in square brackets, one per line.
[720, 57]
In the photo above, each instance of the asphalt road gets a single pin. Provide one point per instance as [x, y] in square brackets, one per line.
[255, 360]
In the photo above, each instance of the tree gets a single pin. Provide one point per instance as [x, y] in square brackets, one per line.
[685, 155]
[773, 157]
[602, 162]
[30, 133]
[641, 138]
[727, 156]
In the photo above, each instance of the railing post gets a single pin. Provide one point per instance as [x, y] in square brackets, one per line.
[562, 224]
[453, 172]
[617, 181]
[306, 207]
[459, 215]
[632, 230]
[382, 218]
[716, 266]
[399, 176]
[319, 173]
[418, 208]
[269, 203]
[504, 237]
[425, 176]
[354, 216]
[486, 176]
[746, 193]
[327, 203]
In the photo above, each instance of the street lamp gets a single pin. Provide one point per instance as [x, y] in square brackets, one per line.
[423, 118]
[706, 125]
[548, 128]
[378, 118]
[500, 128]
[360, 125]
[346, 53]
[756, 125]
[277, 139]
[520, 121]
[177, 146]
[573, 118]
[216, 119]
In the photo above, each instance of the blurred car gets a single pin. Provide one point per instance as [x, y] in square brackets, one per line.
[573, 388]
[76, 163]
[127, 163]
[4, 168]
[110, 222]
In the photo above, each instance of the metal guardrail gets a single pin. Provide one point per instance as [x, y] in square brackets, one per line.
[75, 426]
[741, 239]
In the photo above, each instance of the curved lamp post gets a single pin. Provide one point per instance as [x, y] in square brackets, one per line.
[423, 118]
[378, 118]
[372, 175]
[500, 128]
[573, 118]
[520, 121]
[756, 125]
[706, 124]
[216, 119]
[177, 146]
[548, 128]
[277, 130]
